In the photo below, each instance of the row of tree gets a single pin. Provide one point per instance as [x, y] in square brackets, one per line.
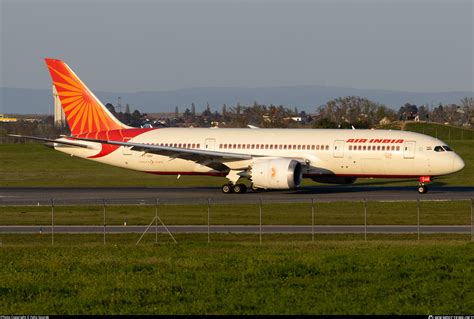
[461, 114]
[343, 112]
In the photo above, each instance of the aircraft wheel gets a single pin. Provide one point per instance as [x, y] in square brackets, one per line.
[227, 188]
[239, 188]
[422, 189]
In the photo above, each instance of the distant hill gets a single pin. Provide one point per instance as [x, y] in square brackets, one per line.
[21, 101]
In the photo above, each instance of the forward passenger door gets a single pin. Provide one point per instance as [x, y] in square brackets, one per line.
[339, 148]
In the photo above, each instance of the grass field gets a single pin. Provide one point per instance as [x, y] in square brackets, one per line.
[35, 165]
[324, 277]
[335, 213]
[446, 133]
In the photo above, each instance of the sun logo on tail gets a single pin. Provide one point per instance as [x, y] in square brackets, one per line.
[84, 112]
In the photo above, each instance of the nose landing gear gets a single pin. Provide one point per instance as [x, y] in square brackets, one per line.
[422, 188]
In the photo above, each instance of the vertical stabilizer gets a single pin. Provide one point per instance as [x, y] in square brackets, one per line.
[84, 112]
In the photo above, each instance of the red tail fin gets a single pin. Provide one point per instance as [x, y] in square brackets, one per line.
[84, 112]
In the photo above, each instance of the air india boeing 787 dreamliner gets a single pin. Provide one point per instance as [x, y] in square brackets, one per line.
[269, 158]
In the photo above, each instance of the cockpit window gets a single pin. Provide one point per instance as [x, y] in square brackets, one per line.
[438, 149]
[447, 148]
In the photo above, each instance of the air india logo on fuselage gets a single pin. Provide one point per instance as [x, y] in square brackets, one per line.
[374, 140]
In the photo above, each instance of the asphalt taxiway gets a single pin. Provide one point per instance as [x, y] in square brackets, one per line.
[198, 195]
[249, 229]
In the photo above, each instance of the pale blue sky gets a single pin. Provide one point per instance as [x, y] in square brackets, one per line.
[127, 46]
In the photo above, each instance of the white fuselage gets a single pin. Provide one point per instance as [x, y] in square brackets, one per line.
[358, 153]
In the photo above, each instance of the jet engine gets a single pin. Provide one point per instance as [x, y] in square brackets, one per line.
[278, 173]
[334, 179]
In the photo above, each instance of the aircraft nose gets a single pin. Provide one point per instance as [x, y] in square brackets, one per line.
[458, 163]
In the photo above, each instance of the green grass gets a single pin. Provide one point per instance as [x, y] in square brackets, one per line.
[33, 165]
[36, 165]
[334, 213]
[446, 133]
[324, 277]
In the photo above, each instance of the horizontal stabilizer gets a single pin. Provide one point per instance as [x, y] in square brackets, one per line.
[70, 143]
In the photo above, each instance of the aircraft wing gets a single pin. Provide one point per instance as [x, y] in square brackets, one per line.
[213, 159]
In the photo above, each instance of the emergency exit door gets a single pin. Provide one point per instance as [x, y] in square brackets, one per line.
[209, 144]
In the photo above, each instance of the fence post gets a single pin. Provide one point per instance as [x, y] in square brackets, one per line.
[103, 204]
[156, 220]
[365, 219]
[260, 214]
[52, 222]
[418, 216]
[472, 220]
[312, 219]
[208, 220]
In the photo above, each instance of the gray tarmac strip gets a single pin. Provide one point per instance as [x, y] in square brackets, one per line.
[200, 195]
[250, 229]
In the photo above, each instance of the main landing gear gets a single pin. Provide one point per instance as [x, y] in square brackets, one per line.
[234, 188]
[422, 188]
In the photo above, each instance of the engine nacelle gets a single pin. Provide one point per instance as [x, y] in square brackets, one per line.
[334, 179]
[279, 173]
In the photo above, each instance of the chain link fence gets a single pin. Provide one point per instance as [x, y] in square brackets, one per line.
[53, 222]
